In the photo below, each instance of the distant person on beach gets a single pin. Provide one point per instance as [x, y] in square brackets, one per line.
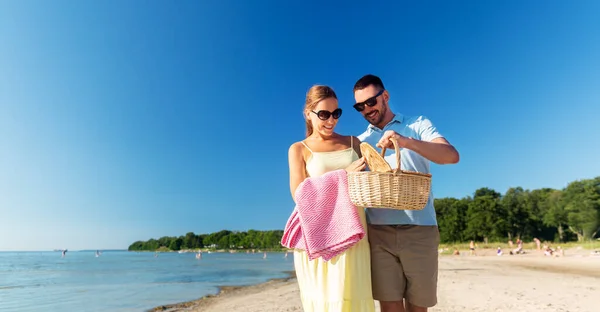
[471, 248]
[537, 243]
[404, 243]
[344, 282]
[548, 251]
[560, 252]
[519, 248]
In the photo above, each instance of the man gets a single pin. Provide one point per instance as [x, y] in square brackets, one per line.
[404, 243]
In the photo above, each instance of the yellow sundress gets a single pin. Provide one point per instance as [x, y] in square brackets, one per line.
[342, 284]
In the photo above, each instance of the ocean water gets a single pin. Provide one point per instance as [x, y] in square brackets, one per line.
[125, 281]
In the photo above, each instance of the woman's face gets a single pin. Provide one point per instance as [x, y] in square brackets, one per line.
[325, 116]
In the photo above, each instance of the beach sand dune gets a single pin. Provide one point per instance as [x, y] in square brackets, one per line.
[466, 283]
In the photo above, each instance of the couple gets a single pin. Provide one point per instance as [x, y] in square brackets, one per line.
[397, 262]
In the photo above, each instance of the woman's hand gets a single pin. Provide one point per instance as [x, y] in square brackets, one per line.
[358, 165]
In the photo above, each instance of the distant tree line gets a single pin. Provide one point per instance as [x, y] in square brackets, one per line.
[224, 239]
[569, 214]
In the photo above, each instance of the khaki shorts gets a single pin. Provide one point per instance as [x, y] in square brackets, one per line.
[404, 263]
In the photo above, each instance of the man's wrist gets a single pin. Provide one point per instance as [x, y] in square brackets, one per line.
[406, 142]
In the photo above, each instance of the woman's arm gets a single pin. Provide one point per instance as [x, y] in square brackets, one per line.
[297, 167]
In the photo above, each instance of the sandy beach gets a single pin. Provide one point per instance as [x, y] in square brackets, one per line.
[530, 282]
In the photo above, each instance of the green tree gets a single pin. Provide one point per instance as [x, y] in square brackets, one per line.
[176, 244]
[165, 241]
[235, 239]
[484, 216]
[514, 203]
[451, 214]
[223, 242]
[555, 214]
[582, 204]
[190, 241]
[536, 206]
[152, 244]
[223, 239]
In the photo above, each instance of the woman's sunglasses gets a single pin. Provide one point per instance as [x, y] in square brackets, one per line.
[324, 115]
[372, 101]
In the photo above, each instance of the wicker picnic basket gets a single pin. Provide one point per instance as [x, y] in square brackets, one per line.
[382, 187]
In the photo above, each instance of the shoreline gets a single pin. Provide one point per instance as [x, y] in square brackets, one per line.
[256, 250]
[224, 291]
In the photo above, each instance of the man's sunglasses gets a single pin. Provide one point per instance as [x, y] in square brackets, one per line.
[372, 101]
[324, 115]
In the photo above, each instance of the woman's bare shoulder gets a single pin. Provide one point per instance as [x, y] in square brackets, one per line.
[296, 147]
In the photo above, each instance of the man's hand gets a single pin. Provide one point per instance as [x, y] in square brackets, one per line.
[391, 134]
[439, 150]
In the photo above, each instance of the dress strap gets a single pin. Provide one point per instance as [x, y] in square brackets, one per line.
[308, 148]
[351, 142]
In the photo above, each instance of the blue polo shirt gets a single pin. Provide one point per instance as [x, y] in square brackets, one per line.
[419, 128]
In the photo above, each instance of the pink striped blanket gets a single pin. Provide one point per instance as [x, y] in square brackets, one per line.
[324, 222]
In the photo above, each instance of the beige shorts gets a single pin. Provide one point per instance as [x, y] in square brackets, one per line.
[404, 263]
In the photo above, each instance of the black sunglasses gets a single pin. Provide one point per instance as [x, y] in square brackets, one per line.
[324, 115]
[372, 101]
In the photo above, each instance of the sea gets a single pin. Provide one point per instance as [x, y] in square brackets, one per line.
[126, 281]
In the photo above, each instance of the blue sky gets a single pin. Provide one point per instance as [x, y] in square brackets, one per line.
[122, 121]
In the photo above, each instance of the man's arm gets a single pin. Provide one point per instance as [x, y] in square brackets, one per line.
[439, 150]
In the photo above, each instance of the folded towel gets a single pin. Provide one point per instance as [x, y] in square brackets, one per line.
[324, 222]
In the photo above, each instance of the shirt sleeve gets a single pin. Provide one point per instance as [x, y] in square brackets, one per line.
[363, 136]
[427, 131]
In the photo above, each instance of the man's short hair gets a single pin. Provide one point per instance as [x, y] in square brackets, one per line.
[368, 80]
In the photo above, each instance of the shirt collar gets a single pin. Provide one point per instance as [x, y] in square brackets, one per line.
[398, 118]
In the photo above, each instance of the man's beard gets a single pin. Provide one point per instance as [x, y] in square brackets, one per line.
[378, 118]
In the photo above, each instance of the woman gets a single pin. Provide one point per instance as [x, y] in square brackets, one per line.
[344, 282]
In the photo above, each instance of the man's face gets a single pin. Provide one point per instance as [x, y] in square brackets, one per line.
[371, 102]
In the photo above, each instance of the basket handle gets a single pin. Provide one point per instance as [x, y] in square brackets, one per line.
[397, 149]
